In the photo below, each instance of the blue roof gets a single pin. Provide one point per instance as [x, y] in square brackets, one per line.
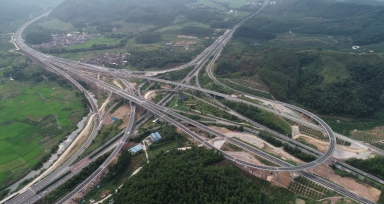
[114, 119]
[154, 136]
[158, 135]
[136, 148]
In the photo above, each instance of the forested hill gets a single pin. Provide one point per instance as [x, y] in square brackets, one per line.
[363, 23]
[96, 11]
[13, 13]
[326, 81]
[193, 176]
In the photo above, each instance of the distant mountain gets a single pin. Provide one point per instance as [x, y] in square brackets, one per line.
[363, 2]
[88, 11]
[15, 12]
[363, 23]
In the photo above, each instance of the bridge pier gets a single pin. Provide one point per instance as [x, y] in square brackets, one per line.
[262, 173]
[275, 175]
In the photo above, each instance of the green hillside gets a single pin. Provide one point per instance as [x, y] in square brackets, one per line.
[302, 50]
[363, 23]
[14, 13]
[196, 176]
[101, 11]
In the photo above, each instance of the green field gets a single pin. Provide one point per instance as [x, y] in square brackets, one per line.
[28, 124]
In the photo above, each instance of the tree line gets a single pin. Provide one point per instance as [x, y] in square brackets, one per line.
[374, 166]
[296, 152]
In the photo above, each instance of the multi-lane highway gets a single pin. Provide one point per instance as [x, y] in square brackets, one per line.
[58, 65]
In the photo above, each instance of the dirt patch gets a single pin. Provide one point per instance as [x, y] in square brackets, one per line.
[104, 104]
[304, 117]
[227, 148]
[365, 191]
[184, 43]
[218, 143]
[295, 130]
[341, 152]
[246, 156]
[321, 145]
[118, 84]
[251, 139]
[149, 95]
[284, 155]
[128, 145]
[166, 86]
[284, 179]
[120, 113]
[188, 37]
[220, 129]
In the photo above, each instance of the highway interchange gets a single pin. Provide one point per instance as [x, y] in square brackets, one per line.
[68, 68]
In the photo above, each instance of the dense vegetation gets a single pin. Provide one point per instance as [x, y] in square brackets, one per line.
[148, 38]
[364, 23]
[121, 164]
[263, 117]
[360, 94]
[250, 30]
[4, 193]
[16, 12]
[82, 13]
[296, 152]
[325, 81]
[374, 166]
[160, 58]
[191, 177]
[21, 72]
[330, 82]
[104, 11]
[269, 137]
[154, 12]
[38, 38]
